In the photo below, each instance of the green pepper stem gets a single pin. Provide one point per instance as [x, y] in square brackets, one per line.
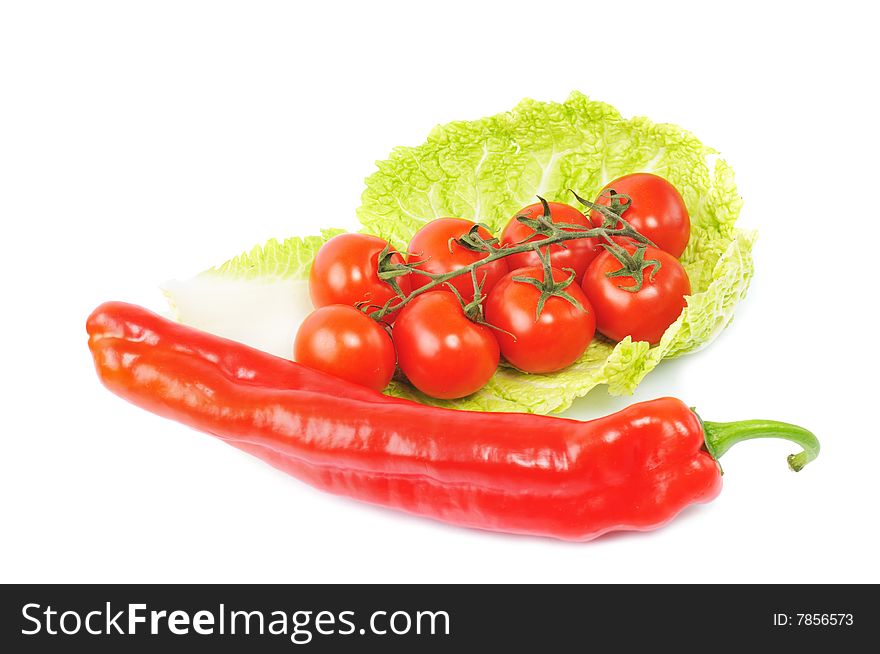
[721, 436]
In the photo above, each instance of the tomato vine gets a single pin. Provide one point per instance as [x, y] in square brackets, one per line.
[614, 226]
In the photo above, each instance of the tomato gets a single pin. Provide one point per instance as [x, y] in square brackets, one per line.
[657, 210]
[442, 352]
[344, 342]
[431, 244]
[551, 342]
[345, 271]
[576, 254]
[644, 314]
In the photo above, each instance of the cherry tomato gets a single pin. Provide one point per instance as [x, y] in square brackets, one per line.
[657, 210]
[344, 342]
[551, 342]
[345, 271]
[442, 352]
[576, 254]
[431, 244]
[644, 314]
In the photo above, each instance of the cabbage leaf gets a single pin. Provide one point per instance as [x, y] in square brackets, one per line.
[485, 170]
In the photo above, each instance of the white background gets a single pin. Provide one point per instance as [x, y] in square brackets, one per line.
[144, 141]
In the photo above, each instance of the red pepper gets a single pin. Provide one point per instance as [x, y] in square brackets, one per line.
[520, 473]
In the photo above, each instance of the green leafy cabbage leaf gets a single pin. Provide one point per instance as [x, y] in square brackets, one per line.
[485, 170]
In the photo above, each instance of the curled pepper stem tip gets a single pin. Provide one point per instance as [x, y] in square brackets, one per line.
[721, 436]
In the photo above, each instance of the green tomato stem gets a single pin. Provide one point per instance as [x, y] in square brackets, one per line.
[555, 233]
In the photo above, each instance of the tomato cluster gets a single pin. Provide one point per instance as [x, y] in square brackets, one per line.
[448, 338]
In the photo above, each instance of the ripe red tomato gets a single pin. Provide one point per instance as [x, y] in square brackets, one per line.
[344, 342]
[657, 210]
[345, 271]
[431, 244]
[644, 314]
[442, 352]
[576, 254]
[551, 342]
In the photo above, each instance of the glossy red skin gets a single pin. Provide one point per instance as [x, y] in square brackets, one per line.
[576, 254]
[431, 245]
[657, 210]
[345, 272]
[346, 343]
[645, 314]
[442, 352]
[519, 473]
[552, 342]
